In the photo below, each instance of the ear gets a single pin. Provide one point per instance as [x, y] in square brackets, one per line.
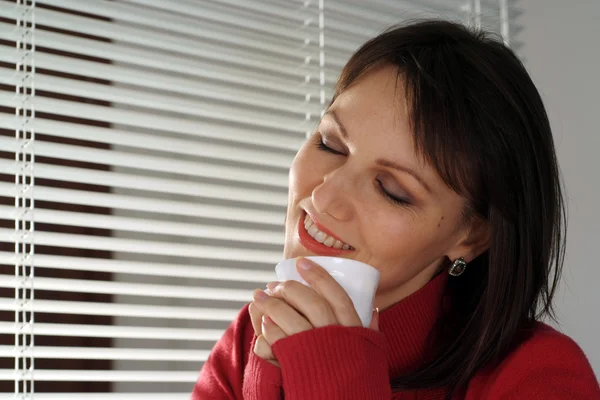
[475, 240]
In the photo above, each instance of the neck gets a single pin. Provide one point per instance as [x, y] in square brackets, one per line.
[386, 298]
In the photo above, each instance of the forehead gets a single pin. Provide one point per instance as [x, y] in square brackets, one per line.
[374, 110]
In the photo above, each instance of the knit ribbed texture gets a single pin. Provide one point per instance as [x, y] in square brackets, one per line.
[408, 324]
[354, 358]
[262, 380]
[355, 363]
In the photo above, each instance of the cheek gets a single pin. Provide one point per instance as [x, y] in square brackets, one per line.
[304, 174]
[406, 240]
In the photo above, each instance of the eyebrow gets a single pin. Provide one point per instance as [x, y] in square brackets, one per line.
[398, 167]
[380, 161]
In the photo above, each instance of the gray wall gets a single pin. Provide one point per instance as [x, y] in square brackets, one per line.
[561, 48]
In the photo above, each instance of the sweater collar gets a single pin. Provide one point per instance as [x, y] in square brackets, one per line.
[408, 324]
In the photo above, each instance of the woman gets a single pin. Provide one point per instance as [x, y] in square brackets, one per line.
[435, 164]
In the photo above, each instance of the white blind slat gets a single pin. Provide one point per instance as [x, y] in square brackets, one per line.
[167, 32]
[160, 185]
[111, 331]
[165, 103]
[129, 53]
[224, 83]
[193, 106]
[144, 141]
[150, 163]
[131, 289]
[111, 353]
[145, 268]
[78, 375]
[143, 13]
[124, 310]
[295, 72]
[149, 226]
[144, 204]
[139, 246]
[146, 119]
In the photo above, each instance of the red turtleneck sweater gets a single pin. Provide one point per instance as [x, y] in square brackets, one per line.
[335, 362]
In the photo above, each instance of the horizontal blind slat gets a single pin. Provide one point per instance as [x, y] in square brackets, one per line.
[150, 101]
[293, 10]
[148, 247]
[122, 310]
[111, 331]
[195, 128]
[296, 127]
[150, 205]
[166, 33]
[78, 375]
[144, 268]
[151, 184]
[111, 353]
[143, 14]
[221, 80]
[125, 52]
[150, 163]
[147, 141]
[238, 101]
[131, 289]
[232, 15]
[295, 72]
[150, 226]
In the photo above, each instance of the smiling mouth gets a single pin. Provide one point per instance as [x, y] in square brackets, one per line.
[317, 241]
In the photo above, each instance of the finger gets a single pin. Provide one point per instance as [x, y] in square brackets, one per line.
[335, 295]
[270, 331]
[284, 315]
[263, 350]
[256, 318]
[272, 285]
[307, 301]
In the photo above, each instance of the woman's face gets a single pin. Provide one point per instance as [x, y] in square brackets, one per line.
[373, 193]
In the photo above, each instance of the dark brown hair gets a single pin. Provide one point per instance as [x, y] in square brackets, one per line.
[479, 120]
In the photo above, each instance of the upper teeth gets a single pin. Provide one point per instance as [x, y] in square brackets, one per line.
[322, 237]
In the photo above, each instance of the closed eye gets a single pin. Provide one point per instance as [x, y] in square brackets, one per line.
[323, 147]
[396, 200]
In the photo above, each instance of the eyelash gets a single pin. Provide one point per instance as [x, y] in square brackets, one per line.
[401, 202]
[393, 199]
[322, 146]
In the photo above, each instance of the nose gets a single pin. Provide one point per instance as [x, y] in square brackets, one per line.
[334, 196]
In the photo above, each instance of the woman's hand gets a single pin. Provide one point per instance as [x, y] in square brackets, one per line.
[266, 334]
[293, 307]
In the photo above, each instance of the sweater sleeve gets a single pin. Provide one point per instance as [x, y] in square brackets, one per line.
[233, 371]
[334, 363]
[549, 366]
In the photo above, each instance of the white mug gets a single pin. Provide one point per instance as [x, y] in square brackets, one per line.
[358, 279]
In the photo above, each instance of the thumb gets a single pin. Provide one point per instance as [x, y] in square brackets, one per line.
[375, 320]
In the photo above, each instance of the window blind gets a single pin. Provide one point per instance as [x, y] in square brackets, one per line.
[144, 147]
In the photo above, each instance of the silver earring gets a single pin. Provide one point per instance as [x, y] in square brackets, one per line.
[458, 267]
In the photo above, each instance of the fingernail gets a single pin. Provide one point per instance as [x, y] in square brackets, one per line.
[264, 319]
[272, 285]
[260, 295]
[304, 263]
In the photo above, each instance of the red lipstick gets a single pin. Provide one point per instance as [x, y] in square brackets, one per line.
[312, 245]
